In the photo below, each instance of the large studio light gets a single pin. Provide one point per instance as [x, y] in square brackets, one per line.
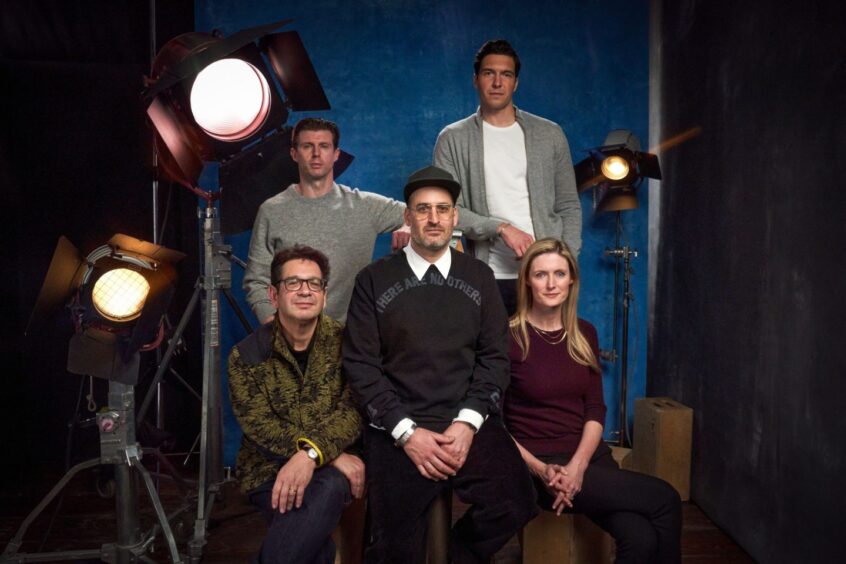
[211, 98]
[230, 99]
[615, 170]
[116, 295]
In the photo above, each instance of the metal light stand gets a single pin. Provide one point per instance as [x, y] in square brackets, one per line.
[624, 253]
[118, 448]
[215, 279]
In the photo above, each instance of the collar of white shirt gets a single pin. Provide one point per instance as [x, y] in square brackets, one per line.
[419, 265]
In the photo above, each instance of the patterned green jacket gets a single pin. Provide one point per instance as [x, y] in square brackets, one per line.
[281, 410]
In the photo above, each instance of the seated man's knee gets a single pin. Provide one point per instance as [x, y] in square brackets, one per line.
[333, 488]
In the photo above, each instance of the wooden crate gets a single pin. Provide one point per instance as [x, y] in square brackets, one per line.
[663, 430]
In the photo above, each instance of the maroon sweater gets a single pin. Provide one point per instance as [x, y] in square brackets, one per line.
[551, 396]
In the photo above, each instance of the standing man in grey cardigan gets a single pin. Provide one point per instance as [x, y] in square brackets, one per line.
[515, 170]
[317, 212]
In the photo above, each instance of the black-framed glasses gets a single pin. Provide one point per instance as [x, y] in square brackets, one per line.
[422, 211]
[294, 284]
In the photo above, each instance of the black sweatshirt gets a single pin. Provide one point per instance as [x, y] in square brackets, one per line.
[424, 349]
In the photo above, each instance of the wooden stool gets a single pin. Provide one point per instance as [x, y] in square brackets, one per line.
[569, 538]
[349, 534]
[565, 539]
[440, 525]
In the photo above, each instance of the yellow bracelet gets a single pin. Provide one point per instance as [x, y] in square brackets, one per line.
[303, 440]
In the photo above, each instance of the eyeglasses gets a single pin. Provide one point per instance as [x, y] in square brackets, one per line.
[422, 211]
[294, 284]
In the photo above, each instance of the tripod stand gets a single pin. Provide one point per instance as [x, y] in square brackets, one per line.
[215, 279]
[624, 254]
[118, 448]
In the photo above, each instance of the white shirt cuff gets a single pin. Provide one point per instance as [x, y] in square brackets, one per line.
[401, 427]
[471, 417]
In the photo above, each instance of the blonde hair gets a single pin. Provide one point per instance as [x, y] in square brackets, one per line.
[577, 345]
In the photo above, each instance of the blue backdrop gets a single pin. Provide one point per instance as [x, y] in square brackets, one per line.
[397, 71]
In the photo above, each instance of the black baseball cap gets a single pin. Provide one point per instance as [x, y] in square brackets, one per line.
[429, 177]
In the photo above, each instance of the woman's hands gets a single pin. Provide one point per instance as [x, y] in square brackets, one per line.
[564, 482]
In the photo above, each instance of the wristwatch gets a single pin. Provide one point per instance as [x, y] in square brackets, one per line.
[400, 442]
[313, 454]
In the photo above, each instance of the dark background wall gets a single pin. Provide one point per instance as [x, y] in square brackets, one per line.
[75, 160]
[748, 310]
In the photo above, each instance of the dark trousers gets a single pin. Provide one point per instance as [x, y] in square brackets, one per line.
[641, 512]
[493, 481]
[304, 535]
[508, 290]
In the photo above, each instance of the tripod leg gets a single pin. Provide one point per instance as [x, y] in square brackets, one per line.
[177, 335]
[227, 293]
[16, 542]
[170, 470]
[157, 505]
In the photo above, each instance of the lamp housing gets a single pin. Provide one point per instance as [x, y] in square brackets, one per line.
[112, 320]
[188, 135]
[615, 170]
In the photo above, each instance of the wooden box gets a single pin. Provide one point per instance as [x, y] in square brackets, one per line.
[565, 539]
[663, 429]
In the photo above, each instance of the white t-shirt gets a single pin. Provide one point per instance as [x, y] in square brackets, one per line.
[506, 190]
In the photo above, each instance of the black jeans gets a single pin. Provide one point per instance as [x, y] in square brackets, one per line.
[641, 512]
[304, 535]
[493, 481]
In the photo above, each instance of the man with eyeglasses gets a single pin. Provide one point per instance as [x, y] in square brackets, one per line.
[343, 222]
[297, 415]
[425, 352]
[516, 170]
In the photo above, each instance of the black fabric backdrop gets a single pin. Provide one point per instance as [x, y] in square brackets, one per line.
[749, 309]
[75, 160]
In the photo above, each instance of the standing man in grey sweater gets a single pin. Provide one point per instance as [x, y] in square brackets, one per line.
[337, 220]
[515, 169]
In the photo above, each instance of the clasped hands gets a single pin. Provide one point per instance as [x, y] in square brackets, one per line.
[564, 482]
[438, 456]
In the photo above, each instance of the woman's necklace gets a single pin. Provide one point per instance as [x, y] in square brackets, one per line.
[550, 337]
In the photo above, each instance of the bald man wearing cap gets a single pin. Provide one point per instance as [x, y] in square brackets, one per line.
[425, 352]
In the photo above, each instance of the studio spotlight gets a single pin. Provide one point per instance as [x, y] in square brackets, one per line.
[230, 99]
[615, 170]
[615, 167]
[210, 98]
[117, 296]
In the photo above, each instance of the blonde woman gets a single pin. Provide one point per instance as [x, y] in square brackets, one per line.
[555, 412]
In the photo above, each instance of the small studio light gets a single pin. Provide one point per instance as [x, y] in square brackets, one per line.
[116, 295]
[615, 170]
[119, 294]
[615, 167]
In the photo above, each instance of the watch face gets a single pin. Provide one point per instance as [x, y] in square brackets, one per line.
[312, 454]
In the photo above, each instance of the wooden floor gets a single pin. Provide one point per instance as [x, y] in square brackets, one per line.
[86, 520]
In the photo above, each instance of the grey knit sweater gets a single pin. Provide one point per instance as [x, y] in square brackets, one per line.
[343, 225]
[554, 201]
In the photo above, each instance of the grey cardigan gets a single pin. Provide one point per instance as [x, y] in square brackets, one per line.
[553, 199]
